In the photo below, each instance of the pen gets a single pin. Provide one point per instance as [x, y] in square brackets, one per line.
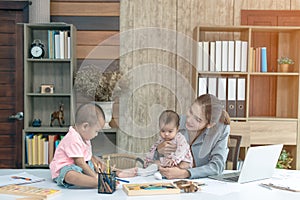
[20, 177]
[108, 165]
[122, 180]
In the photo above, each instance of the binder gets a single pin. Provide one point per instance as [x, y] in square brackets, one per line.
[224, 56]
[199, 56]
[237, 55]
[218, 63]
[212, 57]
[230, 56]
[241, 97]
[205, 56]
[212, 86]
[231, 98]
[222, 87]
[202, 85]
[244, 56]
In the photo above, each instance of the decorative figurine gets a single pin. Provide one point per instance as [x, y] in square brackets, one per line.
[36, 123]
[59, 115]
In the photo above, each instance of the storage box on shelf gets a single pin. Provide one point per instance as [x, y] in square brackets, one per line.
[48, 89]
[271, 97]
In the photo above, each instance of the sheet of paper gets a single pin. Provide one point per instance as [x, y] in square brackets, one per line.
[8, 180]
[285, 179]
[219, 188]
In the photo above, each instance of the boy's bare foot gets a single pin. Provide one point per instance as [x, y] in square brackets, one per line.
[125, 173]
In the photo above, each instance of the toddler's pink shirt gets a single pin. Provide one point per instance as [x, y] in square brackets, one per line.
[72, 145]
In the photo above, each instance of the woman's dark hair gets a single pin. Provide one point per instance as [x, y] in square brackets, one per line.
[213, 109]
[168, 116]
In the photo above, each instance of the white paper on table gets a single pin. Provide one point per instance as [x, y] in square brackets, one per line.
[8, 180]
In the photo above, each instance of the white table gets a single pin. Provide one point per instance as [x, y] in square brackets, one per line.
[211, 191]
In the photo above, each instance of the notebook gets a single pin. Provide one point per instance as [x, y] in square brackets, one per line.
[260, 163]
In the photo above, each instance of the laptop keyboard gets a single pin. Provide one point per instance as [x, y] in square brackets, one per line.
[233, 178]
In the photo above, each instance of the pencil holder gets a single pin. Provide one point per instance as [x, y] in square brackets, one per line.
[107, 182]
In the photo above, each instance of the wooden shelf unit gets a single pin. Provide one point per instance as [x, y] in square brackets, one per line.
[56, 71]
[272, 98]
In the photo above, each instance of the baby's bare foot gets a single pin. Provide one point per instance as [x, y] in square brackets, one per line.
[125, 173]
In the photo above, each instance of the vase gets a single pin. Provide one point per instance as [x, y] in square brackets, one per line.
[284, 67]
[107, 107]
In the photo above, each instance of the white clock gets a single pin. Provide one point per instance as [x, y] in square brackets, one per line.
[37, 49]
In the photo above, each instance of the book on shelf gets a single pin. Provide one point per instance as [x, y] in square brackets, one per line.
[264, 65]
[41, 143]
[258, 59]
[40, 148]
[251, 59]
[62, 44]
[51, 44]
[35, 150]
[28, 149]
[56, 45]
[51, 146]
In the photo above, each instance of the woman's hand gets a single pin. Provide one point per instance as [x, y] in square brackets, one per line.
[166, 148]
[174, 172]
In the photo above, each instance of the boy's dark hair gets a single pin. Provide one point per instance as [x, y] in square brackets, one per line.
[89, 112]
[168, 116]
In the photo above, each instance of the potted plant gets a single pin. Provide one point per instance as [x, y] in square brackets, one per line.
[284, 63]
[285, 160]
[92, 83]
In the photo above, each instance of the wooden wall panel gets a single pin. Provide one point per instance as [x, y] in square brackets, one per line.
[109, 38]
[148, 54]
[85, 9]
[90, 23]
[295, 4]
[98, 52]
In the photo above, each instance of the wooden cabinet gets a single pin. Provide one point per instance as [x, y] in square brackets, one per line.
[48, 89]
[272, 97]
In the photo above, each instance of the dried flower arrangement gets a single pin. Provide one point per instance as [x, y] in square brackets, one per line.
[100, 86]
[285, 60]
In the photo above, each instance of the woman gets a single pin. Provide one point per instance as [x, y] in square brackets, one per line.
[206, 128]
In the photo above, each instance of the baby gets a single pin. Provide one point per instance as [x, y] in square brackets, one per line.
[182, 157]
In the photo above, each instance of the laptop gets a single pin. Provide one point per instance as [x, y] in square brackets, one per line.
[260, 163]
